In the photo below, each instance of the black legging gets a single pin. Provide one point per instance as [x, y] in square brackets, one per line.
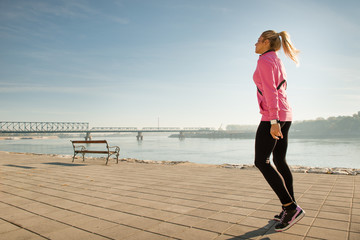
[280, 179]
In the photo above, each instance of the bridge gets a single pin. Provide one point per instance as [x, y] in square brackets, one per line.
[83, 127]
[43, 127]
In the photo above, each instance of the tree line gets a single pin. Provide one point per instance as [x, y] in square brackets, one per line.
[341, 126]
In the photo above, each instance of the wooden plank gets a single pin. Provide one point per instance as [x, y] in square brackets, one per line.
[92, 141]
[91, 151]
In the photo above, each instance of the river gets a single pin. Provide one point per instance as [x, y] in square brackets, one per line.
[304, 152]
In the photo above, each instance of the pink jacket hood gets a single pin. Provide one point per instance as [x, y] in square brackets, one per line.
[273, 102]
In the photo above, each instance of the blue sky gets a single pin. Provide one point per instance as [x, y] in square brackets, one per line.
[187, 63]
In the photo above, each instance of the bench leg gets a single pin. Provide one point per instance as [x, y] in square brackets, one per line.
[107, 159]
[83, 157]
[73, 157]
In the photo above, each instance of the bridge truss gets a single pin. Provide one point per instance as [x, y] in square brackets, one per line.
[43, 127]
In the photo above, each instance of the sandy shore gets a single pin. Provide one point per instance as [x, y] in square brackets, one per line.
[295, 169]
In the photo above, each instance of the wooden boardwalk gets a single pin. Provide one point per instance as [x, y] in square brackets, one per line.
[48, 197]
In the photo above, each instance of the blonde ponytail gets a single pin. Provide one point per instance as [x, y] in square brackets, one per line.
[288, 47]
[285, 42]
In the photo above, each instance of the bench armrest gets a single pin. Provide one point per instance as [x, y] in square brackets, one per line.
[116, 148]
[81, 147]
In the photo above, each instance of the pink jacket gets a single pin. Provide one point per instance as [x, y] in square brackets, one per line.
[269, 73]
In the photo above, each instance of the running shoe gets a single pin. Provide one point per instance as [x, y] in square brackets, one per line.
[289, 218]
[279, 216]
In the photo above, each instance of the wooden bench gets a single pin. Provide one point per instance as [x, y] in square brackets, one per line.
[83, 150]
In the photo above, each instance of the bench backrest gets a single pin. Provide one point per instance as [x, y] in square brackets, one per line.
[90, 141]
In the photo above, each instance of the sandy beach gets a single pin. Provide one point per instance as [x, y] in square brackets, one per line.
[294, 168]
[49, 197]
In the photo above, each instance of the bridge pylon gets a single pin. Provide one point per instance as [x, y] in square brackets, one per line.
[140, 136]
[88, 136]
[181, 135]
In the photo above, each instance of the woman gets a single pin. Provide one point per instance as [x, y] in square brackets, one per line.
[272, 133]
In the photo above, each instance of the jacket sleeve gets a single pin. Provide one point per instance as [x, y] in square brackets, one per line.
[268, 81]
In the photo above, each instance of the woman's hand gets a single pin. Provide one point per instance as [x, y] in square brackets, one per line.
[275, 131]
